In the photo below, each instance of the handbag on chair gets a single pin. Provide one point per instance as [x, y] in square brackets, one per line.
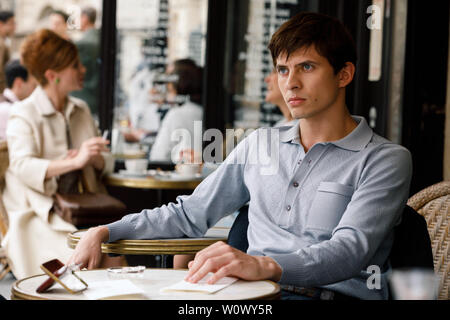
[88, 209]
[82, 207]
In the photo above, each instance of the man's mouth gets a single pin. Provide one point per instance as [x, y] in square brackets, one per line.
[296, 101]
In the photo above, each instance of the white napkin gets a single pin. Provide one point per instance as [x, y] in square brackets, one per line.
[106, 289]
[200, 286]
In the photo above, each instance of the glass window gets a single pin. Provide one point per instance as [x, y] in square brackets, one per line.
[151, 35]
[254, 22]
[78, 21]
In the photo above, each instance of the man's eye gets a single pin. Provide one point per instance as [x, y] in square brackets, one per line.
[307, 67]
[282, 71]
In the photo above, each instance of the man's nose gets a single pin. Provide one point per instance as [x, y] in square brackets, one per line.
[293, 81]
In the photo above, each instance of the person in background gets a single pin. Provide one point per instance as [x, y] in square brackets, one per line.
[146, 96]
[19, 86]
[89, 51]
[185, 94]
[7, 28]
[54, 146]
[58, 23]
[274, 96]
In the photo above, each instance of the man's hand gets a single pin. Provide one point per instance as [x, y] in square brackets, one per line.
[224, 260]
[89, 250]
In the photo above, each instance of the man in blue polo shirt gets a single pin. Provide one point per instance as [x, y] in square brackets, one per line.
[321, 211]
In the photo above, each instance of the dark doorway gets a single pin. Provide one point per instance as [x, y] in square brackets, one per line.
[425, 89]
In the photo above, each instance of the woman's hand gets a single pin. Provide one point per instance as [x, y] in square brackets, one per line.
[89, 250]
[224, 260]
[90, 150]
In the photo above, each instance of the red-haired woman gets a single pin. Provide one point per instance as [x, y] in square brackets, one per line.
[53, 144]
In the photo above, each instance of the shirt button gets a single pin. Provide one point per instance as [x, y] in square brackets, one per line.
[288, 208]
[295, 184]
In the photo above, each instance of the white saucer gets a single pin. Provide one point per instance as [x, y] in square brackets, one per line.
[175, 176]
[133, 174]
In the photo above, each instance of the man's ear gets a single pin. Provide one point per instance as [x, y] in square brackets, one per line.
[345, 76]
[18, 83]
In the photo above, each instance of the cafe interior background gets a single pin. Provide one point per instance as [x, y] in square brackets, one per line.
[401, 84]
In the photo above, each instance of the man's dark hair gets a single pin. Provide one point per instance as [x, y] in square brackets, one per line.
[190, 79]
[6, 15]
[62, 14]
[14, 70]
[327, 35]
[90, 13]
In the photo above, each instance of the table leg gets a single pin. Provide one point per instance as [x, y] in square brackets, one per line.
[164, 261]
[160, 197]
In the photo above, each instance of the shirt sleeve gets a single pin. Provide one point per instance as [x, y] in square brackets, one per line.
[220, 194]
[369, 218]
[24, 158]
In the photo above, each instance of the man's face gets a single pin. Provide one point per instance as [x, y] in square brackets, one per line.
[8, 27]
[57, 24]
[273, 94]
[84, 22]
[307, 82]
[27, 87]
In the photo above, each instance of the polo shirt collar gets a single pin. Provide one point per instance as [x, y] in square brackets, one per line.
[358, 139]
[45, 106]
[355, 141]
[291, 134]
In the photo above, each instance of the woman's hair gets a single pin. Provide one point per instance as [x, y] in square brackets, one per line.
[189, 79]
[45, 50]
[327, 35]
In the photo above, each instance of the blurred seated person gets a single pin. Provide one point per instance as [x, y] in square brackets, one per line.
[19, 86]
[144, 102]
[53, 143]
[89, 51]
[274, 96]
[58, 23]
[184, 94]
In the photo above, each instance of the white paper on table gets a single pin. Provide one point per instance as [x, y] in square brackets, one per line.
[106, 289]
[200, 286]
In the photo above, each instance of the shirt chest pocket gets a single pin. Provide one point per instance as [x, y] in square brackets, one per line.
[328, 206]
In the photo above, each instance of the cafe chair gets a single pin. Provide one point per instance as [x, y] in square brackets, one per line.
[433, 203]
[4, 162]
[237, 237]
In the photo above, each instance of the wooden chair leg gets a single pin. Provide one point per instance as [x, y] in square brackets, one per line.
[6, 269]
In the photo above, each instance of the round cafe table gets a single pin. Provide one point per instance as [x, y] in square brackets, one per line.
[150, 281]
[162, 247]
[149, 182]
